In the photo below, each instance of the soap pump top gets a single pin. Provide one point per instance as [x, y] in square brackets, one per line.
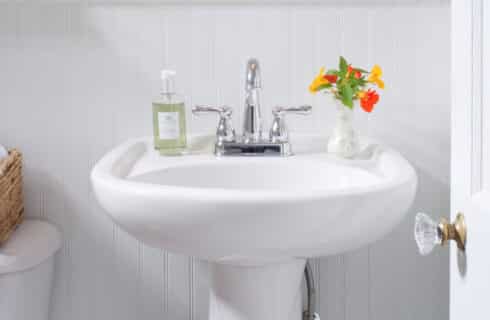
[167, 89]
[168, 81]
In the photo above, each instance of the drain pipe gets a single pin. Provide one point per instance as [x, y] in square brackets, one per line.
[310, 312]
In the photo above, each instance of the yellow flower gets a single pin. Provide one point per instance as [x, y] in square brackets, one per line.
[361, 94]
[318, 81]
[375, 76]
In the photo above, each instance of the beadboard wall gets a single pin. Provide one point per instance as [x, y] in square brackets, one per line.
[76, 79]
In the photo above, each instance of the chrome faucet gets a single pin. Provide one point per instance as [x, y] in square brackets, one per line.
[252, 122]
[252, 142]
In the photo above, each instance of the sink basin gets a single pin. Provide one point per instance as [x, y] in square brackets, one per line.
[256, 219]
[249, 210]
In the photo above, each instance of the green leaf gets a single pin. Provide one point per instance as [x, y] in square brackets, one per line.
[324, 86]
[361, 70]
[347, 96]
[332, 71]
[342, 65]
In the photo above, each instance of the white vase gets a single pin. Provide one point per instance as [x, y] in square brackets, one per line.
[344, 140]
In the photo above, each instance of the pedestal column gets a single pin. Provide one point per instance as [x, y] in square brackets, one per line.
[268, 292]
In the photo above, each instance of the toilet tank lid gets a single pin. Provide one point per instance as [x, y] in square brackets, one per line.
[32, 243]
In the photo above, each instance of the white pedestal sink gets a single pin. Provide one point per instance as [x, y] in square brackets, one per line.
[257, 219]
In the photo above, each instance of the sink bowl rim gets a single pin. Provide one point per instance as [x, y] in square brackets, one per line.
[103, 175]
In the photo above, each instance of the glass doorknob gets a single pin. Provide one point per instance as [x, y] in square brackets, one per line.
[429, 233]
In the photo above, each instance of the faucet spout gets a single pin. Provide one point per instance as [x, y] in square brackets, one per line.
[252, 125]
[253, 79]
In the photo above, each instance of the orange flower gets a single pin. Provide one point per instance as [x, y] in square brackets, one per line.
[331, 78]
[368, 99]
[350, 69]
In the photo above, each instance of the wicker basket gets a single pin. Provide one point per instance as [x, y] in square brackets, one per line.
[11, 197]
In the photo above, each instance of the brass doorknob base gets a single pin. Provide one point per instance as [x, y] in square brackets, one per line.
[453, 231]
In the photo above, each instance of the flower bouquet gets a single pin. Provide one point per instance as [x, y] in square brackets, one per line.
[346, 85]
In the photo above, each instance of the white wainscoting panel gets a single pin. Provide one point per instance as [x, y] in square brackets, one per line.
[76, 79]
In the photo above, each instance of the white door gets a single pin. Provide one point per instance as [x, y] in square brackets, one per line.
[470, 164]
[470, 185]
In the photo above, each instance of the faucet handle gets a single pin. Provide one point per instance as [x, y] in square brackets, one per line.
[304, 110]
[223, 111]
[279, 131]
[225, 131]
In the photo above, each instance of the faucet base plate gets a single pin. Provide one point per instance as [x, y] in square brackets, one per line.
[253, 149]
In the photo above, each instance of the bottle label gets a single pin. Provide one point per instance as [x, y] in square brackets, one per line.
[168, 125]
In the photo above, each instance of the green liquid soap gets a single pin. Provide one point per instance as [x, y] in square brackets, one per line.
[169, 127]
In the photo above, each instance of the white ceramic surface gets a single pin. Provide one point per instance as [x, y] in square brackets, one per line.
[249, 210]
[31, 244]
[268, 292]
[26, 271]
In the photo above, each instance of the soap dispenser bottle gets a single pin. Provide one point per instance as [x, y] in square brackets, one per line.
[169, 129]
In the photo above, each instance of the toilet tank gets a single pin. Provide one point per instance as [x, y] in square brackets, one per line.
[26, 271]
